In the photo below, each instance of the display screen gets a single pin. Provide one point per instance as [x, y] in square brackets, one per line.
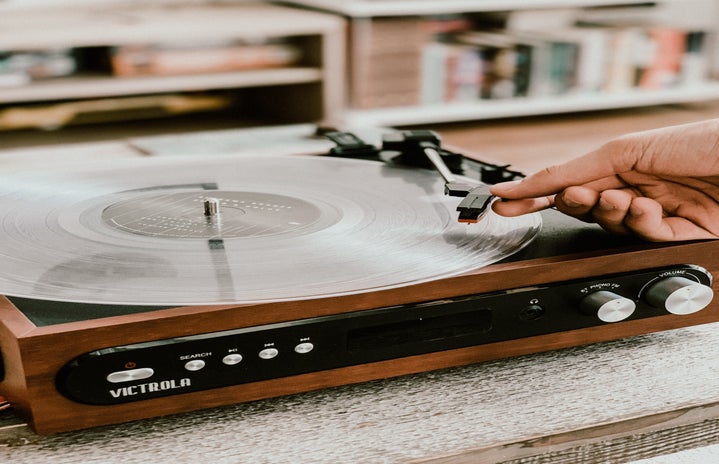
[421, 330]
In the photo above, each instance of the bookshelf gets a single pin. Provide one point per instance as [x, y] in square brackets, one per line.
[305, 82]
[390, 42]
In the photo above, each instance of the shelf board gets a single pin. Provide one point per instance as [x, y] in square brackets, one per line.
[94, 87]
[369, 8]
[62, 25]
[495, 109]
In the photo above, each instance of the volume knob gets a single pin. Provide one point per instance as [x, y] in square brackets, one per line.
[608, 306]
[679, 295]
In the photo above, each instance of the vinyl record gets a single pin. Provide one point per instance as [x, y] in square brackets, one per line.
[228, 229]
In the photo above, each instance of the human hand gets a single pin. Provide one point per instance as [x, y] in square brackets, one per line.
[661, 185]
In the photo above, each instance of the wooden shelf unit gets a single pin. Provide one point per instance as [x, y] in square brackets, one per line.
[365, 15]
[317, 80]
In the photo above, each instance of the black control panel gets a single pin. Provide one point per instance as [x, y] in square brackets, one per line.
[156, 368]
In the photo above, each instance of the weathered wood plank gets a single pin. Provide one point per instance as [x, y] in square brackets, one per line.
[628, 399]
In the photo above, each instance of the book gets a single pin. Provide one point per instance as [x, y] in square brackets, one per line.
[386, 62]
[666, 47]
[21, 67]
[695, 62]
[498, 56]
[624, 54]
[155, 60]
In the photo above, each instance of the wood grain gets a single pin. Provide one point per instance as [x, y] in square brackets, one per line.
[621, 441]
[604, 395]
[30, 378]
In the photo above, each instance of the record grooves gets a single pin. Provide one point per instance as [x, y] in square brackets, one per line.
[289, 228]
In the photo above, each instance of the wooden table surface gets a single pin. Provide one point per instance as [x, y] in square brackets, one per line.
[633, 399]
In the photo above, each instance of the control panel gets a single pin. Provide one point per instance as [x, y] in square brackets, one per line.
[156, 368]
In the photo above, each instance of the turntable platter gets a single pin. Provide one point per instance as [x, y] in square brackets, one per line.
[229, 229]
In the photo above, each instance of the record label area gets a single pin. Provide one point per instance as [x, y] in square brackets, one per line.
[212, 215]
[173, 366]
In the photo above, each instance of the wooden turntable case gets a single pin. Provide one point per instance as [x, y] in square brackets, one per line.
[33, 355]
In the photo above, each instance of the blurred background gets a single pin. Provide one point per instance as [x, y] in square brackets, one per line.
[104, 69]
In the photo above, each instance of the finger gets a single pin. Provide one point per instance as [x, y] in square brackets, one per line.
[513, 208]
[659, 152]
[578, 202]
[601, 164]
[645, 218]
[612, 209]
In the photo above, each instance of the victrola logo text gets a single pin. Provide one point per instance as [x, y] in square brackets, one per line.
[150, 387]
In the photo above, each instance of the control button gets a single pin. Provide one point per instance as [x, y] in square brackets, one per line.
[232, 359]
[268, 353]
[679, 295]
[531, 312]
[304, 347]
[607, 306]
[130, 375]
[194, 365]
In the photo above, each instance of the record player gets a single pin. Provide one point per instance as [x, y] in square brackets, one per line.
[152, 286]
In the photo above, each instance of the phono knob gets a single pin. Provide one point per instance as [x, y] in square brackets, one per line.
[607, 306]
[679, 295]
